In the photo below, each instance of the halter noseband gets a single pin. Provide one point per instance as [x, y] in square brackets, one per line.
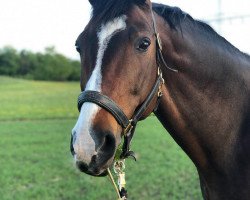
[128, 125]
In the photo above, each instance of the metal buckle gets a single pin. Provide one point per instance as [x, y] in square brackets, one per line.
[159, 40]
[160, 93]
[128, 128]
[159, 72]
[161, 76]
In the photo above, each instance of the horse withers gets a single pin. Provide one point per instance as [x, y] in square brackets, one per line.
[204, 103]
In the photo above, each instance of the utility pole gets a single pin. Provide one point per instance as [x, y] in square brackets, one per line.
[219, 15]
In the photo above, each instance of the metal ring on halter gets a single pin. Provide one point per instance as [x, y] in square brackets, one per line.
[119, 166]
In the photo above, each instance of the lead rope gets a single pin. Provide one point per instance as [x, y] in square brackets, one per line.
[119, 167]
[114, 184]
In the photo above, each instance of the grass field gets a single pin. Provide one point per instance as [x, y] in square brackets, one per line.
[35, 163]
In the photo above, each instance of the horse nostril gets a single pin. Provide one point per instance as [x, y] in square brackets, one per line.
[83, 167]
[72, 141]
[108, 145]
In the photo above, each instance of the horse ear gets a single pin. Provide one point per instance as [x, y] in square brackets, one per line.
[141, 1]
[93, 2]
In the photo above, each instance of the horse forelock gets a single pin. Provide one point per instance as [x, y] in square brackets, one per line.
[110, 9]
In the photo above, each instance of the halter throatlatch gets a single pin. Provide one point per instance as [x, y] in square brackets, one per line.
[128, 125]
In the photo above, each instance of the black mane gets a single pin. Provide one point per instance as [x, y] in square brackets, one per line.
[174, 16]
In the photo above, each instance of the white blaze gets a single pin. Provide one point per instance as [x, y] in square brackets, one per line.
[84, 145]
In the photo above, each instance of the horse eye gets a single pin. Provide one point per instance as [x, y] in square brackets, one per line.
[143, 44]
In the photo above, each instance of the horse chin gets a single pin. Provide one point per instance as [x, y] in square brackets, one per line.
[94, 169]
[102, 174]
[91, 170]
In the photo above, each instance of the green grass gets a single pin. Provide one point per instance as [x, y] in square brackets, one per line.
[22, 99]
[35, 162]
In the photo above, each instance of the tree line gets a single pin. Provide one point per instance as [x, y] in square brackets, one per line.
[49, 65]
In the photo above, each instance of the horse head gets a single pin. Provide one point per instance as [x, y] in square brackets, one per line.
[118, 61]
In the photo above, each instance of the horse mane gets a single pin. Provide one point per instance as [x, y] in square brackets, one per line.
[175, 17]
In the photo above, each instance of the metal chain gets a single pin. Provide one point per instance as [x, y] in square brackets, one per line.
[119, 167]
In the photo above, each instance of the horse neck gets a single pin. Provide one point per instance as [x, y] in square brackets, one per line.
[204, 104]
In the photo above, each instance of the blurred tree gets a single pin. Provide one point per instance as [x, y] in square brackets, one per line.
[49, 65]
[27, 63]
[9, 60]
[52, 66]
[75, 70]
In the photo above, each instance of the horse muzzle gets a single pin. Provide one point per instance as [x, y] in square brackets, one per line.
[98, 162]
[91, 169]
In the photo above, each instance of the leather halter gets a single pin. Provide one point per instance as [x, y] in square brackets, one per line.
[128, 125]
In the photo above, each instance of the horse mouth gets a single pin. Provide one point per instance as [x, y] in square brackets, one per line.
[104, 173]
[92, 171]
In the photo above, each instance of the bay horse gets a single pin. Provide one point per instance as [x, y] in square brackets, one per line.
[127, 49]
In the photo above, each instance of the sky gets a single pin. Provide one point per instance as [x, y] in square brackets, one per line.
[34, 25]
